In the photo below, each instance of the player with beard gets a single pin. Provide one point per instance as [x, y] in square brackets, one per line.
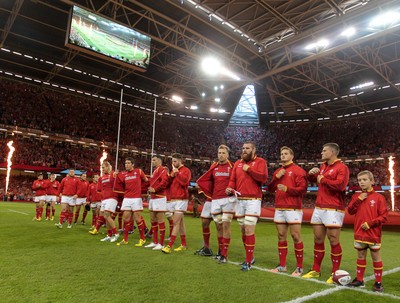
[179, 181]
[248, 175]
[213, 184]
[290, 184]
[327, 218]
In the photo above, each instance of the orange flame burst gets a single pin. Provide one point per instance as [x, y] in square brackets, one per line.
[103, 157]
[9, 163]
[391, 170]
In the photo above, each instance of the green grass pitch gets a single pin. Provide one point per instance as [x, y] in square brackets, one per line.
[40, 263]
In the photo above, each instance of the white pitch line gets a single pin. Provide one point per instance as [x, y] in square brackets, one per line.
[314, 295]
[335, 287]
[18, 212]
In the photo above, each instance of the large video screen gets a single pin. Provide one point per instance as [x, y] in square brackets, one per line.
[99, 36]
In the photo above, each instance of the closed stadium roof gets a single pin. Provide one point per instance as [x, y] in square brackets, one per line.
[307, 59]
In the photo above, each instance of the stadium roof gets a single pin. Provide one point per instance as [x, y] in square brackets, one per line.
[295, 54]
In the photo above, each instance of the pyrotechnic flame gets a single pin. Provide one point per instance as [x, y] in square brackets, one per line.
[9, 163]
[104, 157]
[391, 170]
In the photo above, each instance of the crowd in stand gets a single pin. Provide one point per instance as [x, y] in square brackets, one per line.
[32, 107]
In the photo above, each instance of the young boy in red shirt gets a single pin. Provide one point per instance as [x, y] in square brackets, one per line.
[370, 212]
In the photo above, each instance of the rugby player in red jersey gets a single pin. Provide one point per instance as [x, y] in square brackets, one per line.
[158, 202]
[248, 175]
[39, 187]
[94, 198]
[179, 181]
[370, 212]
[327, 218]
[83, 186]
[52, 196]
[109, 201]
[68, 194]
[290, 184]
[213, 184]
[129, 182]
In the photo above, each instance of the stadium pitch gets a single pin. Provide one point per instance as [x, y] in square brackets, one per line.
[40, 263]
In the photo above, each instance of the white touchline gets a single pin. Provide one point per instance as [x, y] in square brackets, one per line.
[314, 295]
[18, 212]
[331, 290]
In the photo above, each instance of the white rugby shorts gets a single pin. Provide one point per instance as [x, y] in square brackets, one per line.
[248, 208]
[39, 198]
[68, 200]
[289, 216]
[327, 217]
[132, 204]
[158, 205]
[206, 211]
[223, 205]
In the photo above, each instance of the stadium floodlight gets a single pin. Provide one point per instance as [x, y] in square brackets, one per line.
[177, 99]
[221, 111]
[362, 85]
[193, 107]
[203, 94]
[217, 99]
[384, 20]
[213, 110]
[320, 44]
[211, 66]
[348, 32]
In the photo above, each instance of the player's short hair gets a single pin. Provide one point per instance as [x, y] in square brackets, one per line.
[287, 148]
[130, 159]
[157, 156]
[366, 172]
[223, 146]
[106, 163]
[333, 146]
[250, 142]
[177, 156]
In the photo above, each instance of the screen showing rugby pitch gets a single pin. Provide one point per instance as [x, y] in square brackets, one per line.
[96, 35]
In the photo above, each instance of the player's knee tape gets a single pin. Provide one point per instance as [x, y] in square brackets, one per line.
[248, 220]
[227, 217]
[217, 218]
[168, 214]
[240, 220]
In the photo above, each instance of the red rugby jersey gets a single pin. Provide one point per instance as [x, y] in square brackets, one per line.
[178, 188]
[372, 210]
[106, 186]
[130, 183]
[39, 186]
[248, 184]
[93, 195]
[53, 188]
[159, 182]
[83, 186]
[332, 188]
[215, 181]
[69, 186]
[296, 186]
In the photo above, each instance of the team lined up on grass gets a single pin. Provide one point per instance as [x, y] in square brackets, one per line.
[231, 189]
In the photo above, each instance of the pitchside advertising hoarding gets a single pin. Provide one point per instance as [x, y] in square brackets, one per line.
[102, 37]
